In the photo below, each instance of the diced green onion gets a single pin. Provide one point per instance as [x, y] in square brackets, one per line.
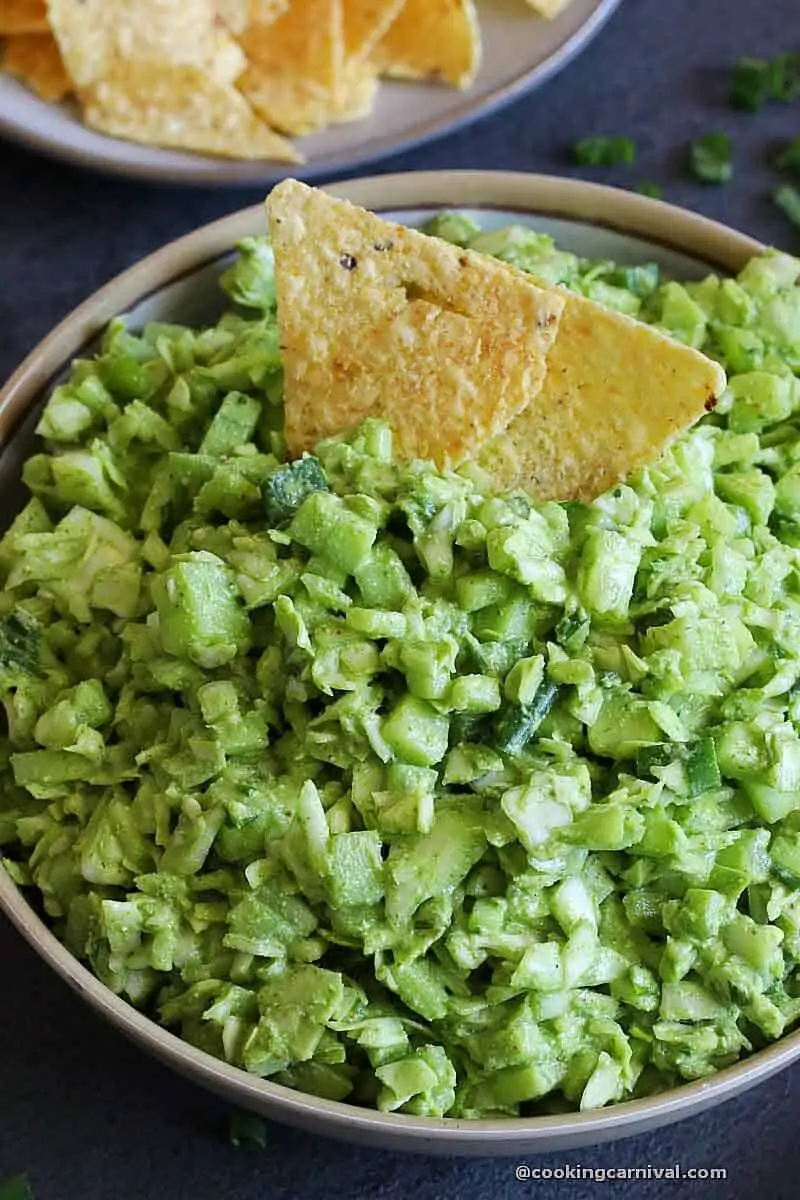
[749, 89]
[711, 158]
[787, 199]
[604, 151]
[789, 157]
[785, 77]
[646, 187]
[16, 1189]
[755, 81]
[247, 1131]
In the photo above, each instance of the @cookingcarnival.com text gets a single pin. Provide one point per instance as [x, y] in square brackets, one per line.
[676, 1170]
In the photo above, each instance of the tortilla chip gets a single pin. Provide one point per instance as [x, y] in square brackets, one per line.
[549, 8]
[296, 66]
[617, 393]
[365, 23]
[239, 14]
[181, 107]
[23, 16]
[35, 60]
[353, 98]
[432, 39]
[223, 58]
[355, 95]
[377, 320]
[95, 35]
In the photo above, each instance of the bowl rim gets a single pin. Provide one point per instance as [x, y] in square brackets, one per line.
[572, 200]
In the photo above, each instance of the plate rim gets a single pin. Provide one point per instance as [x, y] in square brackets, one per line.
[208, 171]
[583, 203]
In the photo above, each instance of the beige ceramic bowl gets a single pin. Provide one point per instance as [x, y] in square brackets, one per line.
[178, 283]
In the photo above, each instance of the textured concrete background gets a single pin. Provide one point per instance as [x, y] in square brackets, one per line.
[86, 1115]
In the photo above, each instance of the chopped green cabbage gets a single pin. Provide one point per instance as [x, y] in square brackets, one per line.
[391, 790]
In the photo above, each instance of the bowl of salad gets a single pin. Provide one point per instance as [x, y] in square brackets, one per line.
[380, 800]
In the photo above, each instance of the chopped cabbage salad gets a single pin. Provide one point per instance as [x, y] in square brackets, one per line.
[392, 790]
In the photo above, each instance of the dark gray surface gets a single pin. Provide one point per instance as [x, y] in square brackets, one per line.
[82, 1112]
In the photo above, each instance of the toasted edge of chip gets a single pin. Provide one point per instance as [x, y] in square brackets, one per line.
[183, 108]
[616, 395]
[432, 39]
[34, 59]
[23, 16]
[296, 66]
[365, 23]
[378, 320]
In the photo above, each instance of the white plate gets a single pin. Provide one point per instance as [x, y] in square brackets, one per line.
[521, 51]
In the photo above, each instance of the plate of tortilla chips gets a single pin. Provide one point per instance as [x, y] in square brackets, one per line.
[244, 91]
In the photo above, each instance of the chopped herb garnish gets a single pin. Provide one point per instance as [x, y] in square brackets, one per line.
[749, 88]
[19, 644]
[245, 1131]
[286, 489]
[789, 157]
[17, 1188]
[711, 158]
[787, 199]
[647, 188]
[785, 77]
[604, 151]
[756, 81]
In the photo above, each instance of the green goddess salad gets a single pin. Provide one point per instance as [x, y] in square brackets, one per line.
[390, 789]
